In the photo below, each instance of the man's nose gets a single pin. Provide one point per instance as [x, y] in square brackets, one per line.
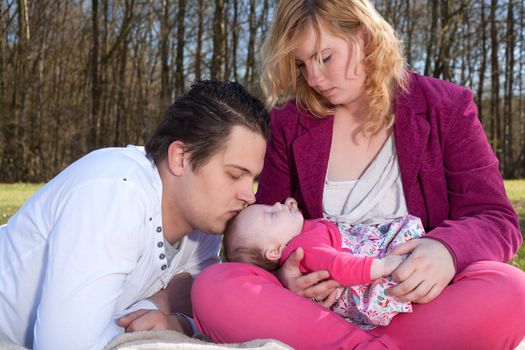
[247, 195]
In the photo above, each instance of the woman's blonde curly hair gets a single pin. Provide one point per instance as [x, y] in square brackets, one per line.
[382, 56]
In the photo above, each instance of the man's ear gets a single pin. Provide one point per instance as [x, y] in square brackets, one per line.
[176, 158]
[274, 253]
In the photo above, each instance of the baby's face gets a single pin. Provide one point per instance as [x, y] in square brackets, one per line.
[272, 224]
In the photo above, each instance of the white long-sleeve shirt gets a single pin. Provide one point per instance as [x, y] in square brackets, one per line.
[86, 247]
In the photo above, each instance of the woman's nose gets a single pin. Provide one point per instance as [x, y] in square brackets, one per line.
[313, 75]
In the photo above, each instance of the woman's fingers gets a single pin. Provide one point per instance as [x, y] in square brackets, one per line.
[405, 287]
[431, 295]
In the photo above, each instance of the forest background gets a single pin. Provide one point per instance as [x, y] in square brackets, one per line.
[78, 75]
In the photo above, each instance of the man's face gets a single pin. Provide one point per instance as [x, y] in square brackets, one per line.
[219, 189]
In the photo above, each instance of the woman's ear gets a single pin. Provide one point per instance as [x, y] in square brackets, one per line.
[176, 158]
[274, 253]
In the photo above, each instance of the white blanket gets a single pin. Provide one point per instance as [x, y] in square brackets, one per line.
[170, 340]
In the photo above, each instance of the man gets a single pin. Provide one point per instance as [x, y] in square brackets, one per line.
[116, 226]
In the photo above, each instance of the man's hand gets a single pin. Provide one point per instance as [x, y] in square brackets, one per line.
[425, 273]
[312, 285]
[146, 320]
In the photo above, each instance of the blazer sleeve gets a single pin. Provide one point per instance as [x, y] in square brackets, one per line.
[482, 224]
[275, 183]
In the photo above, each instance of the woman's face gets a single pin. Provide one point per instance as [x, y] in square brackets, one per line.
[340, 77]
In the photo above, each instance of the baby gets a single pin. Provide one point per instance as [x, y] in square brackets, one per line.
[267, 235]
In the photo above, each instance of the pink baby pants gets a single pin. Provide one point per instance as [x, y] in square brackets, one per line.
[483, 308]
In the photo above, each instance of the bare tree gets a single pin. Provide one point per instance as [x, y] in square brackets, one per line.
[95, 84]
[219, 38]
[483, 65]
[179, 62]
[122, 62]
[495, 123]
[75, 75]
[430, 49]
[200, 31]
[166, 27]
[509, 86]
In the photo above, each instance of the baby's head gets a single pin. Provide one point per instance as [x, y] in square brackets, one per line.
[259, 233]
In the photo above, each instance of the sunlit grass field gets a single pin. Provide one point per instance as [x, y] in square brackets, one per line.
[516, 192]
[12, 196]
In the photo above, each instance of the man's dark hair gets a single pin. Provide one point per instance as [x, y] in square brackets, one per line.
[203, 119]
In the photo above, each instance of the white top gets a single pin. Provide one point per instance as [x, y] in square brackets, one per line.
[375, 198]
[335, 194]
[86, 247]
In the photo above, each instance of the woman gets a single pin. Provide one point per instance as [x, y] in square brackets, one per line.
[361, 140]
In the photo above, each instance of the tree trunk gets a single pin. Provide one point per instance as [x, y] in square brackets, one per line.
[121, 115]
[164, 47]
[250, 57]
[483, 65]
[217, 62]
[430, 49]
[200, 30]
[509, 86]
[235, 38]
[409, 33]
[179, 63]
[94, 77]
[494, 100]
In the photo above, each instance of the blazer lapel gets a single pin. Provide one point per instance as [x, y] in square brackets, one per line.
[311, 151]
[411, 132]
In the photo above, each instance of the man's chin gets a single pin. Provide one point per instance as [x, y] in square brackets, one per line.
[215, 230]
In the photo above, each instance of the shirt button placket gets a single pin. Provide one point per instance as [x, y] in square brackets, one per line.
[160, 244]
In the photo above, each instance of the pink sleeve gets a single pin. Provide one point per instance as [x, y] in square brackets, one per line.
[483, 224]
[321, 242]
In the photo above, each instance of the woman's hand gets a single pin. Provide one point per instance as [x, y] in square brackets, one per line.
[384, 267]
[312, 285]
[146, 320]
[425, 273]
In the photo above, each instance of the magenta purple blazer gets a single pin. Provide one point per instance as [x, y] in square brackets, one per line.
[449, 172]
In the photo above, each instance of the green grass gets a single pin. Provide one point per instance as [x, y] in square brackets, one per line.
[516, 192]
[12, 196]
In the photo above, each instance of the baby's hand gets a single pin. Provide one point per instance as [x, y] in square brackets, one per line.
[385, 266]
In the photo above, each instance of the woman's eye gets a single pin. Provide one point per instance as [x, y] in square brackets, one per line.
[327, 58]
[235, 177]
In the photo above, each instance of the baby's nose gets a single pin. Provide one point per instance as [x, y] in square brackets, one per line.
[290, 203]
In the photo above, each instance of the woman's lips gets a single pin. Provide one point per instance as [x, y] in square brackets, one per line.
[326, 92]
